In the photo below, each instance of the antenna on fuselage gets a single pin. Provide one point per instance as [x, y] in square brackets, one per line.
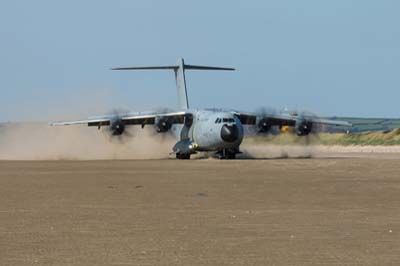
[179, 70]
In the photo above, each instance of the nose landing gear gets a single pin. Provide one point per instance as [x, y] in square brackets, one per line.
[183, 156]
[184, 148]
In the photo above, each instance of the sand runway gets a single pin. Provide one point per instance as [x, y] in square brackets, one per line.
[323, 211]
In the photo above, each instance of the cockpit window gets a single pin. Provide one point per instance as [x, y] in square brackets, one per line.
[228, 120]
[224, 120]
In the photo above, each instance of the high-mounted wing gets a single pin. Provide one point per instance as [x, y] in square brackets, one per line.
[128, 119]
[105, 121]
[163, 121]
[303, 123]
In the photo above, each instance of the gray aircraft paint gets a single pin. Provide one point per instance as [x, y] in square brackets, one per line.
[183, 101]
[203, 129]
[207, 134]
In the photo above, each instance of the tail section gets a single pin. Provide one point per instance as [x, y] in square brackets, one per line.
[179, 70]
[180, 79]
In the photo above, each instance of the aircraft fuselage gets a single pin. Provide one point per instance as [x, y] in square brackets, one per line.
[213, 131]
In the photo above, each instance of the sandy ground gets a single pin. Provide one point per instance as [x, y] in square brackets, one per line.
[319, 211]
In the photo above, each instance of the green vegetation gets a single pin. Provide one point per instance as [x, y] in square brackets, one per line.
[361, 139]
[367, 124]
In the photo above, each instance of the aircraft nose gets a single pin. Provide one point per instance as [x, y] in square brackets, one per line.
[229, 133]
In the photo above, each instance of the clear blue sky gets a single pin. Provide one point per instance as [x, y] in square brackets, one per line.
[337, 57]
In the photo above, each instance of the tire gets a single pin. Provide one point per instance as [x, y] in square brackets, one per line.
[231, 156]
[183, 156]
[227, 155]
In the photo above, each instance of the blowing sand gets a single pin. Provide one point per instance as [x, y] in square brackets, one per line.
[317, 151]
[38, 141]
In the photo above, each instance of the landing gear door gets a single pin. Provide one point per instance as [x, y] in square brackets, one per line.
[188, 122]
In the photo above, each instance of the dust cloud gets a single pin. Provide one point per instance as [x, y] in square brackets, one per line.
[39, 141]
[263, 151]
[274, 151]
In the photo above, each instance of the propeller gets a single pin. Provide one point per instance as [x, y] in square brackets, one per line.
[303, 126]
[163, 124]
[117, 129]
[264, 125]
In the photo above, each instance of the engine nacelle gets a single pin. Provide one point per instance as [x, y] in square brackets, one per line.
[264, 126]
[303, 127]
[163, 124]
[117, 127]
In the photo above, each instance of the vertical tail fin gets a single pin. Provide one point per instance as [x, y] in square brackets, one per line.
[180, 79]
[179, 70]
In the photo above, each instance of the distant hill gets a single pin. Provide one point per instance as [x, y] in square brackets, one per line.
[365, 124]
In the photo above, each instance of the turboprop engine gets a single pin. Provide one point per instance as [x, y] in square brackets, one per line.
[264, 126]
[303, 127]
[163, 124]
[117, 127]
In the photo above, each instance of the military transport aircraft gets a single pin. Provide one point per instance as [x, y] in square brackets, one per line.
[200, 130]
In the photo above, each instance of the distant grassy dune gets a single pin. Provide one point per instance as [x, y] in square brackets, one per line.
[366, 124]
[361, 139]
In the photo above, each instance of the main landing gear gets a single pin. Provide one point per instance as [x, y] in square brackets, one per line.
[224, 154]
[227, 154]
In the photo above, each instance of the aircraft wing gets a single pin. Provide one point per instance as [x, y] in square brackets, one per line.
[78, 122]
[287, 119]
[127, 119]
[331, 122]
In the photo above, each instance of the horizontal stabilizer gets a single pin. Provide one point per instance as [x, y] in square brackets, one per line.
[185, 67]
[179, 70]
[145, 68]
[207, 68]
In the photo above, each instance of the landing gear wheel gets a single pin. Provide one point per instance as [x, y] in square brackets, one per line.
[230, 156]
[227, 154]
[183, 156]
